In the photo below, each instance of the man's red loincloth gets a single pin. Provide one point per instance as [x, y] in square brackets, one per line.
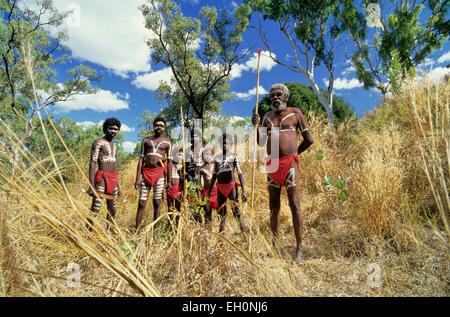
[111, 180]
[284, 165]
[175, 191]
[225, 189]
[213, 203]
[151, 175]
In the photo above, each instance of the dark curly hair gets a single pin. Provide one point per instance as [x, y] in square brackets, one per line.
[109, 122]
[159, 118]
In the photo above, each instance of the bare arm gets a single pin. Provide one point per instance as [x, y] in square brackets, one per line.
[240, 176]
[92, 163]
[306, 133]
[213, 179]
[138, 173]
[260, 137]
[169, 167]
[139, 167]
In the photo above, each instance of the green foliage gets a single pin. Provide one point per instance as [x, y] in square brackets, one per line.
[200, 53]
[320, 155]
[126, 249]
[77, 140]
[23, 37]
[332, 184]
[403, 43]
[196, 202]
[304, 98]
[311, 30]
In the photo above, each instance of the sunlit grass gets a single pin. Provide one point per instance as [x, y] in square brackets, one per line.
[396, 173]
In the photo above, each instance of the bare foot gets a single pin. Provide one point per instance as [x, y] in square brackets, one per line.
[298, 256]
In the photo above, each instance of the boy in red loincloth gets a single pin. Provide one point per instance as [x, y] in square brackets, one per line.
[224, 165]
[206, 173]
[152, 166]
[105, 179]
[174, 195]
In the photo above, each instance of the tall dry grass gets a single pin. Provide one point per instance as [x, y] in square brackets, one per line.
[393, 161]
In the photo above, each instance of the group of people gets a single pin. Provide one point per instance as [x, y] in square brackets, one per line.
[163, 168]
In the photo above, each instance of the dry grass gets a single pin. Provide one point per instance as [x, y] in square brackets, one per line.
[395, 167]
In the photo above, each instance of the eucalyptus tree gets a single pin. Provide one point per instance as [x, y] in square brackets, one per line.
[311, 33]
[404, 34]
[28, 55]
[199, 51]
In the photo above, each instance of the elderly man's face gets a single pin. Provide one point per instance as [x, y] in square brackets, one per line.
[278, 99]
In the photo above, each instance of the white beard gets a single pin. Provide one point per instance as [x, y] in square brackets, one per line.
[279, 106]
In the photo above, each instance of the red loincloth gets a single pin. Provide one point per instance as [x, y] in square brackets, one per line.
[213, 203]
[111, 180]
[284, 165]
[225, 189]
[151, 175]
[175, 191]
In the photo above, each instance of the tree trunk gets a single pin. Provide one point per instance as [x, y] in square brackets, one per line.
[327, 104]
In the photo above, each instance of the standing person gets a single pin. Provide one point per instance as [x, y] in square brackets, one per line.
[283, 170]
[206, 173]
[174, 195]
[105, 179]
[152, 166]
[224, 166]
[194, 159]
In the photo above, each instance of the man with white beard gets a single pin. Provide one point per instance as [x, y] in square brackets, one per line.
[284, 169]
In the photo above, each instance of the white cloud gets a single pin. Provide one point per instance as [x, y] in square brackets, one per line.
[342, 83]
[438, 73]
[129, 146]
[265, 64]
[102, 101]
[86, 124]
[252, 92]
[152, 80]
[425, 63]
[444, 58]
[350, 69]
[108, 34]
[126, 128]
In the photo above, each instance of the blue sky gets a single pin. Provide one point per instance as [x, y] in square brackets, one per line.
[108, 35]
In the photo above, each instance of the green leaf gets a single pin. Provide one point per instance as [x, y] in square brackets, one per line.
[343, 195]
[328, 182]
[320, 155]
[126, 245]
[340, 183]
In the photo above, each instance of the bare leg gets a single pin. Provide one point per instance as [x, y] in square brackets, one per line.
[140, 212]
[208, 214]
[234, 198]
[156, 210]
[96, 201]
[171, 208]
[274, 205]
[222, 210]
[143, 198]
[112, 206]
[297, 220]
[157, 198]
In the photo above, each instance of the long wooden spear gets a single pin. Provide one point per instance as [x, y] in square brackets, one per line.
[184, 153]
[256, 133]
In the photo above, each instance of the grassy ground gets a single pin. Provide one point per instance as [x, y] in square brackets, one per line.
[389, 238]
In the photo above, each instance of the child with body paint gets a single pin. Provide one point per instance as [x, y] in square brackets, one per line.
[224, 166]
[174, 195]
